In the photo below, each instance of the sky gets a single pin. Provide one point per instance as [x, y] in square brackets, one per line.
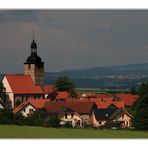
[69, 39]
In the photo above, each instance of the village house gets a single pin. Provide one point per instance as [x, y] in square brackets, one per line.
[29, 106]
[112, 115]
[78, 114]
[75, 112]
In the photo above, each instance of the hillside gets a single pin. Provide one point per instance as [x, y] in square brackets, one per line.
[113, 77]
[124, 76]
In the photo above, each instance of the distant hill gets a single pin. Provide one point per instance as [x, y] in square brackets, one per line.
[95, 77]
[123, 69]
[92, 77]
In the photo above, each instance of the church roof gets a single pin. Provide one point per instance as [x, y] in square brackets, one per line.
[22, 84]
[34, 58]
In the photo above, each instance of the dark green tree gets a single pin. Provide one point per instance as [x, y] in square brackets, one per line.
[6, 116]
[2, 92]
[133, 91]
[140, 108]
[64, 83]
[37, 118]
[143, 89]
[18, 119]
[53, 121]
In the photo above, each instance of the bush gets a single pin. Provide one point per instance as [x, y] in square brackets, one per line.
[107, 125]
[6, 116]
[67, 125]
[18, 119]
[53, 121]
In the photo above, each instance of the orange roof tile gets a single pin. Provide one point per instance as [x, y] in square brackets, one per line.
[59, 95]
[36, 103]
[79, 107]
[23, 84]
[48, 89]
[128, 98]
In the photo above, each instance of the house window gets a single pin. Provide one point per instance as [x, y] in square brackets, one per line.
[65, 115]
[72, 115]
[24, 110]
[100, 122]
[30, 110]
[127, 123]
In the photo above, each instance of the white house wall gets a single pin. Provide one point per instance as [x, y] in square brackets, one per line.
[9, 93]
[26, 110]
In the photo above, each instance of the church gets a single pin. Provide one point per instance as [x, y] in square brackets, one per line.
[20, 87]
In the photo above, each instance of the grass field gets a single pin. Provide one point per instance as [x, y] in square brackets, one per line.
[9, 131]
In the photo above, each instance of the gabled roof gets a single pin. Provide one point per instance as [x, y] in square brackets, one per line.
[128, 98]
[109, 113]
[23, 84]
[119, 111]
[48, 89]
[79, 107]
[101, 104]
[59, 95]
[104, 114]
[36, 103]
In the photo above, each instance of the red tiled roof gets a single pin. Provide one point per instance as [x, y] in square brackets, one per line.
[128, 98]
[59, 95]
[36, 103]
[62, 94]
[100, 104]
[79, 107]
[23, 84]
[119, 104]
[104, 95]
[48, 89]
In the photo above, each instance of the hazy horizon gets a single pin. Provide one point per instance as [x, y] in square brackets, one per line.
[73, 39]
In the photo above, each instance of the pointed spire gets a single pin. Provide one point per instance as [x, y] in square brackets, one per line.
[33, 44]
[33, 32]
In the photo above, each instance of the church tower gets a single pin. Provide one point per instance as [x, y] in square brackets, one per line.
[34, 66]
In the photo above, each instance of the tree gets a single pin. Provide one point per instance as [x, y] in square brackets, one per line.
[38, 118]
[18, 119]
[53, 121]
[6, 116]
[133, 91]
[64, 83]
[2, 92]
[143, 89]
[140, 108]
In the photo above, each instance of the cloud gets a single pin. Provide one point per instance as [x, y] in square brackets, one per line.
[102, 25]
[73, 39]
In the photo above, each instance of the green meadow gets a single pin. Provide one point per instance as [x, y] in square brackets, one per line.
[11, 131]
